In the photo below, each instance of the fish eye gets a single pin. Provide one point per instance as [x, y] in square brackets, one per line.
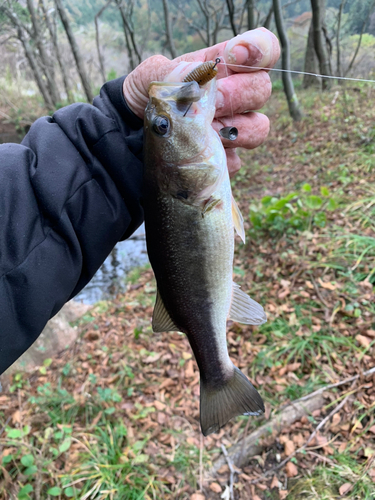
[161, 125]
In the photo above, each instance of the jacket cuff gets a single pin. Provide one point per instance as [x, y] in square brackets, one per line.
[114, 90]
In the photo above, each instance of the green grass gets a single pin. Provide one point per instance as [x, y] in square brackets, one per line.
[324, 482]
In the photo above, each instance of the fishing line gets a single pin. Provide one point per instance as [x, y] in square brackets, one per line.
[230, 133]
[297, 73]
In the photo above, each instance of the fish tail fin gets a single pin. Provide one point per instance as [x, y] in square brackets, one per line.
[236, 396]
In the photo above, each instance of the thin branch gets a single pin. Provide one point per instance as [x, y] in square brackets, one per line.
[100, 56]
[168, 29]
[360, 39]
[338, 70]
[232, 471]
[230, 6]
[337, 384]
[303, 447]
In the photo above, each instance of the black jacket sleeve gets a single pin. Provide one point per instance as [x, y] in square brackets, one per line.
[68, 194]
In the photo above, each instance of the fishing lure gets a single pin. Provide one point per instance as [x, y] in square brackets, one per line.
[203, 74]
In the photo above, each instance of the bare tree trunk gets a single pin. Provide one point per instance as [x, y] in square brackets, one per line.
[294, 108]
[338, 70]
[30, 56]
[231, 10]
[45, 59]
[219, 18]
[267, 22]
[100, 55]
[53, 34]
[311, 62]
[35, 69]
[168, 30]
[204, 8]
[126, 35]
[251, 22]
[129, 32]
[76, 53]
[318, 10]
[360, 39]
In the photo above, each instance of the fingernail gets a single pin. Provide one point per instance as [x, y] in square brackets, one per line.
[219, 100]
[253, 48]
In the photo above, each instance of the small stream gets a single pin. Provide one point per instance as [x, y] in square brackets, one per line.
[110, 279]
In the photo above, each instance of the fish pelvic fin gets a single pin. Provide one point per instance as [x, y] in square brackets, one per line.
[238, 220]
[244, 309]
[236, 396]
[161, 321]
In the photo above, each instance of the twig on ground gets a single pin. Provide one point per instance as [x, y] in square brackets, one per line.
[244, 437]
[303, 447]
[232, 471]
[337, 384]
[321, 457]
[251, 445]
[6, 423]
[319, 294]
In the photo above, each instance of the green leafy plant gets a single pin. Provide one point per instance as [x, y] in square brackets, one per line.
[294, 212]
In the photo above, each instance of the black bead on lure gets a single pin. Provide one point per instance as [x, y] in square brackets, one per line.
[203, 74]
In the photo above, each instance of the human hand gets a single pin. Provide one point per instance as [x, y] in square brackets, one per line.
[239, 90]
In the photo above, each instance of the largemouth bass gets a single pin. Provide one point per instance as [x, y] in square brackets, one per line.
[189, 218]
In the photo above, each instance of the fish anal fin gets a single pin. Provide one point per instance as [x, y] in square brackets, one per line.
[237, 396]
[161, 321]
[238, 220]
[244, 309]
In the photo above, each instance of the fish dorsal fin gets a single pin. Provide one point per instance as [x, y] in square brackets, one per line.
[161, 321]
[245, 310]
[238, 220]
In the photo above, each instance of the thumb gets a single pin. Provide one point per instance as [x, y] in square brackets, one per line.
[154, 69]
[257, 47]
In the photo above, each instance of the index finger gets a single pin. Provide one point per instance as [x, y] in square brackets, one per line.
[256, 48]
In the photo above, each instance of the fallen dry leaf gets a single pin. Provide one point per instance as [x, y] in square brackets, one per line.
[275, 483]
[327, 286]
[16, 417]
[363, 340]
[197, 496]
[283, 494]
[291, 469]
[345, 488]
[159, 405]
[289, 448]
[153, 357]
[189, 370]
[215, 487]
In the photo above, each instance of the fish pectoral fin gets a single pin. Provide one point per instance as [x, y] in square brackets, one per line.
[210, 204]
[238, 220]
[245, 310]
[236, 396]
[161, 321]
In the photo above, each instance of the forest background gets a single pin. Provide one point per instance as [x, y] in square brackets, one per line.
[116, 415]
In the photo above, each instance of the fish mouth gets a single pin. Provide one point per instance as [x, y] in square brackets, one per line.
[180, 92]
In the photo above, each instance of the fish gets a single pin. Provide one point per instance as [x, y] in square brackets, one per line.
[190, 216]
